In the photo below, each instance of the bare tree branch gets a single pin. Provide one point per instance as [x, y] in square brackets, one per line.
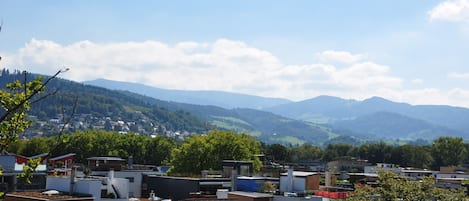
[29, 96]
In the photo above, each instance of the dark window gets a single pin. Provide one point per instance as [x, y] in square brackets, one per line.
[131, 179]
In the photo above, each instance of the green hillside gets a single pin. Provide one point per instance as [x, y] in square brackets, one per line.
[123, 111]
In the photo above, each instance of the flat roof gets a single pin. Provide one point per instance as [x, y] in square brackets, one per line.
[251, 194]
[257, 178]
[364, 174]
[418, 171]
[106, 158]
[300, 173]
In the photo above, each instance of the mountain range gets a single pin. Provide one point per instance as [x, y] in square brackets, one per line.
[374, 118]
[217, 98]
[320, 120]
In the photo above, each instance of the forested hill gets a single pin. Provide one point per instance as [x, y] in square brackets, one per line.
[217, 98]
[99, 108]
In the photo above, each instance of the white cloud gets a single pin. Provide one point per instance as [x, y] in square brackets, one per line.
[417, 81]
[339, 56]
[450, 10]
[223, 65]
[459, 75]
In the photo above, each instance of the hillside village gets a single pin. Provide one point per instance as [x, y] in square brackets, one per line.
[139, 124]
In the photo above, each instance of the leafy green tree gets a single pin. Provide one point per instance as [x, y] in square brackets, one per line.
[28, 169]
[206, 152]
[277, 152]
[17, 146]
[131, 144]
[305, 152]
[374, 153]
[412, 156]
[36, 146]
[334, 151]
[448, 151]
[15, 102]
[392, 186]
[158, 150]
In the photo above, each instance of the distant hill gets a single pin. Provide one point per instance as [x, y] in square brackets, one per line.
[216, 98]
[269, 127]
[387, 125]
[321, 120]
[379, 116]
[100, 108]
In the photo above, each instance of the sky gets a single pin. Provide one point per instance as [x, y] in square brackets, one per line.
[406, 51]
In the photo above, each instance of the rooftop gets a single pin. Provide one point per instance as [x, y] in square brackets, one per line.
[39, 196]
[300, 174]
[62, 156]
[251, 194]
[106, 158]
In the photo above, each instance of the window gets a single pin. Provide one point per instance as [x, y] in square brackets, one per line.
[131, 179]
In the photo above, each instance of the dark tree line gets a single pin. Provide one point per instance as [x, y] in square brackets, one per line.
[444, 151]
[87, 144]
[214, 147]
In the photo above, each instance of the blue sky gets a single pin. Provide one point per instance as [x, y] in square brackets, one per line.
[406, 51]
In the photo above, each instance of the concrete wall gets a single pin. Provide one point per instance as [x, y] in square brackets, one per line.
[135, 187]
[122, 186]
[91, 187]
[299, 184]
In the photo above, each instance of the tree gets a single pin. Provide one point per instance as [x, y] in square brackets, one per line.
[374, 153]
[392, 186]
[158, 150]
[207, 152]
[277, 152]
[15, 102]
[448, 151]
[412, 156]
[36, 146]
[305, 152]
[334, 151]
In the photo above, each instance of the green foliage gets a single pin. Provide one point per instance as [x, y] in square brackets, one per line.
[28, 170]
[334, 151]
[15, 102]
[158, 150]
[91, 143]
[207, 152]
[448, 151]
[305, 152]
[392, 186]
[277, 152]
[99, 103]
[412, 156]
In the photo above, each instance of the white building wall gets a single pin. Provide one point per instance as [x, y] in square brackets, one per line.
[89, 186]
[451, 175]
[135, 187]
[92, 187]
[299, 184]
[122, 186]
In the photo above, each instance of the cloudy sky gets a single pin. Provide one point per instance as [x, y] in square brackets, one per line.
[407, 51]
